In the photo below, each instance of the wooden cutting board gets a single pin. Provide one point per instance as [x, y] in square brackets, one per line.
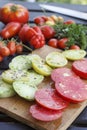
[18, 108]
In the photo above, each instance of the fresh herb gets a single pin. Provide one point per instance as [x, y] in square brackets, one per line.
[76, 34]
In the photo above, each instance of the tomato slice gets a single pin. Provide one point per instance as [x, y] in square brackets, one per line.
[72, 89]
[62, 73]
[80, 68]
[44, 114]
[49, 98]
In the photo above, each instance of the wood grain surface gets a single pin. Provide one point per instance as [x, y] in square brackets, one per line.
[18, 108]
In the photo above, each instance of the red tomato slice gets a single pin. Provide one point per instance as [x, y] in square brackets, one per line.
[44, 114]
[73, 89]
[80, 68]
[62, 73]
[49, 98]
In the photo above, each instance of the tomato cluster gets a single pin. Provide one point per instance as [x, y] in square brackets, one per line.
[16, 17]
[9, 48]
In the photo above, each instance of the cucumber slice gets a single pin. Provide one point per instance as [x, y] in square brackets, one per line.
[6, 90]
[74, 54]
[30, 57]
[41, 67]
[10, 76]
[19, 63]
[25, 90]
[56, 59]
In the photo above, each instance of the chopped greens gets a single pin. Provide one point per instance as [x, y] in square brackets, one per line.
[76, 34]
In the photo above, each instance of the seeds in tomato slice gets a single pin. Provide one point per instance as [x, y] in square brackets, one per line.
[80, 68]
[62, 73]
[49, 98]
[73, 89]
[44, 114]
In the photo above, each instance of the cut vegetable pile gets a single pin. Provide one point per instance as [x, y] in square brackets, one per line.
[26, 73]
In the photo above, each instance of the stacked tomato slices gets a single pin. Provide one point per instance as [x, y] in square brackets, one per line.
[51, 101]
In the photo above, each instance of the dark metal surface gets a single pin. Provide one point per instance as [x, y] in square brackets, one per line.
[7, 123]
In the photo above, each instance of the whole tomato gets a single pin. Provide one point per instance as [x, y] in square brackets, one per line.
[69, 22]
[23, 32]
[10, 30]
[53, 42]
[4, 51]
[14, 13]
[37, 41]
[39, 20]
[62, 43]
[76, 47]
[19, 48]
[47, 31]
[12, 47]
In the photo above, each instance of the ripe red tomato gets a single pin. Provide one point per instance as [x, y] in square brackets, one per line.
[37, 29]
[19, 48]
[12, 47]
[1, 58]
[39, 20]
[10, 30]
[75, 47]
[69, 22]
[37, 41]
[30, 33]
[4, 51]
[47, 31]
[53, 42]
[14, 13]
[23, 32]
[62, 43]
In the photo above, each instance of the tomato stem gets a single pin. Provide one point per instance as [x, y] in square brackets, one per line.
[14, 8]
[26, 47]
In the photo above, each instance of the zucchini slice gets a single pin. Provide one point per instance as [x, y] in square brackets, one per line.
[10, 76]
[56, 59]
[41, 67]
[24, 89]
[19, 63]
[6, 90]
[74, 54]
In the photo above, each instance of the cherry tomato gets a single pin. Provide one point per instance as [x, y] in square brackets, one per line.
[14, 13]
[23, 32]
[10, 30]
[12, 47]
[75, 47]
[37, 41]
[39, 20]
[69, 22]
[53, 43]
[47, 31]
[19, 48]
[1, 58]
[4, 51]
[62, 43]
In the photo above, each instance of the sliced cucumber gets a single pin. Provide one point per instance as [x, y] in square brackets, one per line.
[25, 90]
[6, 90]
[74, 54]
[10, 76]
[41, 67]
[56, 59]
[19, 63]
[30, 57]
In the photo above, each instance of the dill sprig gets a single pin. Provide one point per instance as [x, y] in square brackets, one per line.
[76, 34]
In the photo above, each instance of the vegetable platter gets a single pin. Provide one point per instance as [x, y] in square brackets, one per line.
[18, 108]
[18, 39]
